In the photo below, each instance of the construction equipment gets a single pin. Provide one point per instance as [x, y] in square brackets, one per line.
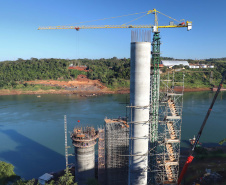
[155, 27]
[191, 157]
[155, 84]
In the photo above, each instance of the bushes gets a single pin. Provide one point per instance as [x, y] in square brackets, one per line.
[7, 173]
[13, 73]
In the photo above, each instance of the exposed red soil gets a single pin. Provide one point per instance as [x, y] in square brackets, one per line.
[79, 68]
[82, 80]
[196, 89]
[82, 85]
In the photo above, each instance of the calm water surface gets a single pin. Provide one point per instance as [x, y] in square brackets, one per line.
[32, 129]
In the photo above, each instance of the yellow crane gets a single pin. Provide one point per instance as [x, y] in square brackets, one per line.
[155, 27]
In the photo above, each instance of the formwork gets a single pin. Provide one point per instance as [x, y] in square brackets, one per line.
[116, 147]
[84, 140]
[167, 151]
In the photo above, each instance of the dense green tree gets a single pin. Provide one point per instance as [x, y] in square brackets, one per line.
[66, 179]
[7, 173]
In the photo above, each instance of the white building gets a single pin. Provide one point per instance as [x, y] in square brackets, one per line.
[203, 66]
[192, 66]
[171, 63]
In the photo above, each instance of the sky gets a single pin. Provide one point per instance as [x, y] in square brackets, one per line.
[20, 37]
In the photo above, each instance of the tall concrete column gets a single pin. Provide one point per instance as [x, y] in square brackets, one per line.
[139, 102]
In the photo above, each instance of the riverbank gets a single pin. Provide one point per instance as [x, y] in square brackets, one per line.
[196, 89]
[82, 92]
[82, 85]
[4, 92]
[85, 92]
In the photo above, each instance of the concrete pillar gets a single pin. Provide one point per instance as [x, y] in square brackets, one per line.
[139, 100]
[84, 164]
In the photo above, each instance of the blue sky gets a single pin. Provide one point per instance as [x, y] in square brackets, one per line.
[19, 20]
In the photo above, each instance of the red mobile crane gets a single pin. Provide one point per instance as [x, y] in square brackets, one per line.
[190, 157]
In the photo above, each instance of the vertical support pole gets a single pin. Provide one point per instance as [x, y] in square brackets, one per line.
[155, 85]
[173, 80]
[66, 147]
[101, 156]
[211, 77]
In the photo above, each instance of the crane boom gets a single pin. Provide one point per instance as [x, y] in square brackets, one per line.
[188, 25]
[155, 27]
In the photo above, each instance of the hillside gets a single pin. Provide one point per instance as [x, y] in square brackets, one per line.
[55, 75]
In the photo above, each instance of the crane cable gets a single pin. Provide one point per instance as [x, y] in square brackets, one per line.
[168, 16]
[109, 18]
[135, 19]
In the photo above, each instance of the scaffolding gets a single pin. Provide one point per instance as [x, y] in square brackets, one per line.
[117, 150]
[154, 110]
[101, 156]
[167, 150]
[66, 145]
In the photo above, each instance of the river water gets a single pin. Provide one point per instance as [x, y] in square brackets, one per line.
[32, 128]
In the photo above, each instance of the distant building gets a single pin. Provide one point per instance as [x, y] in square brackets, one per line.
[192, 66]
[171, 63]
[196, 66]
[203, 66]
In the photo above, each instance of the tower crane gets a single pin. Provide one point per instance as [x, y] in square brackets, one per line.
[155, 59]
[155, 27]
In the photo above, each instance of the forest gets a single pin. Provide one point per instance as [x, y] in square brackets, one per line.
[113, 72]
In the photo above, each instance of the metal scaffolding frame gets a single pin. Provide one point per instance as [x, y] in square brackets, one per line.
[101, 156]
[154, 101]
[117, 150]
[167, 150]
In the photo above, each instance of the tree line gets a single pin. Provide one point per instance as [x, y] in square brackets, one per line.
[112, 72]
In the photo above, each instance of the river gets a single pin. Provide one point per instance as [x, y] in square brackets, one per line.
[32, 128]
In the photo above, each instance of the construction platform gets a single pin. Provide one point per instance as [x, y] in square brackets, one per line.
[84, 137]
